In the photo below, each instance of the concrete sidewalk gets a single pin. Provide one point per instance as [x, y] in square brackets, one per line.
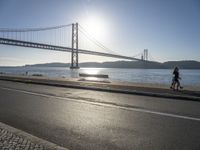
[156, 90]
[14, 139]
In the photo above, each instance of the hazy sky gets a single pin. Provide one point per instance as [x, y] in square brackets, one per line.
[170, 29]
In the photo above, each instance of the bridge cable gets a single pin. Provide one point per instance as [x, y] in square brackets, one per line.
[92, 39]
[97, 42]
[33, 29]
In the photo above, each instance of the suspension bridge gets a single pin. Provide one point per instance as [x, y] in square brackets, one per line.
[71, 38]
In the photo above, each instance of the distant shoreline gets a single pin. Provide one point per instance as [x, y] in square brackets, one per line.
[93, 67]
[190, 64]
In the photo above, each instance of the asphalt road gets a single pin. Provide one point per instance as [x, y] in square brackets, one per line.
[83, 119]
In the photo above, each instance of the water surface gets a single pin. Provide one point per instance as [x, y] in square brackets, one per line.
[160, 76]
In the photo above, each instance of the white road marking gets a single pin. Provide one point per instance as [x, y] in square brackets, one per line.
[107, 105]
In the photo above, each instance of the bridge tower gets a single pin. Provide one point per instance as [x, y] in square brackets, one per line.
[74, 55]
[145, 55]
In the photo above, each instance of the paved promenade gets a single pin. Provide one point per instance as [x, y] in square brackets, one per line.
[14, 139]
[10, 141]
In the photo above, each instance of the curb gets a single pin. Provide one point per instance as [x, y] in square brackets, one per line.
[113, 90]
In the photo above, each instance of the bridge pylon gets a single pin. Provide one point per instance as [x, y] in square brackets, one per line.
[145, 55]
[74, 54]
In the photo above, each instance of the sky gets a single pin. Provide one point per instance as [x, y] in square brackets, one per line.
[169, 29]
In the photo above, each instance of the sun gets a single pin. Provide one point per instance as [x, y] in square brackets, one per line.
[96, 27]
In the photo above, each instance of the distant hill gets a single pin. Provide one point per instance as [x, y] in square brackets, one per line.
[124, 64]
[129, 64]
[183, 64]
[49, 65]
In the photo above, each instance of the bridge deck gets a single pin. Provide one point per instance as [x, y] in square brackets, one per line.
[20, 43]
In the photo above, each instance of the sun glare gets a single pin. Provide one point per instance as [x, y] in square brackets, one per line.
[96, 27]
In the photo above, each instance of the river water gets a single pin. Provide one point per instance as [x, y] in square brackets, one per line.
[159, 76]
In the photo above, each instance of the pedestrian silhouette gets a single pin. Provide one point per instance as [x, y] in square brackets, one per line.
[175, 85]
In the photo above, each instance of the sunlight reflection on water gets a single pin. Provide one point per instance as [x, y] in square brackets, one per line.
[92, 71]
